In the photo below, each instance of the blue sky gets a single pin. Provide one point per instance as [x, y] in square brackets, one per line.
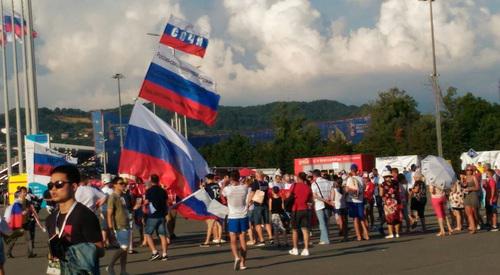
[267, 50]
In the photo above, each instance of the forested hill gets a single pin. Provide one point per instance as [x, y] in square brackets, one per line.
[77, 123]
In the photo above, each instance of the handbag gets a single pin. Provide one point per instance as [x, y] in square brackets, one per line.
[328, 204]
[288, 202]
[258, 197]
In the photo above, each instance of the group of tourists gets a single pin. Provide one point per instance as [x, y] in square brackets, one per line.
[85, 220]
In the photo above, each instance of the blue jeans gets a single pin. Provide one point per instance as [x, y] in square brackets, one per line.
[323, 215]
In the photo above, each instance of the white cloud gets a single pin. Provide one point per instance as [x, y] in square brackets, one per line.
[270, 49]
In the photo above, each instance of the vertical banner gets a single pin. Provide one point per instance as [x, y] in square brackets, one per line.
[30, 140]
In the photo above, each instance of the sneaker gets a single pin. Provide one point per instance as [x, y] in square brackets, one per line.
[389, 236]
[206, 245]
[250, 242]
[304, 252]
[154, 256]
[216, 241]
[260, 244]
[222, 241]
[132, 251]
[494, 229]
[323, 243]
[236, 265]
[243, 267]
[164, 257]
[397, 235]
[294, 252]
[271, 241]
[110, 270]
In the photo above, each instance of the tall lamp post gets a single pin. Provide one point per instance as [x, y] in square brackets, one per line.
[119, 76]
[435, 85]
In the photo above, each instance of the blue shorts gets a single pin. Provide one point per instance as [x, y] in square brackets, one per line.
[356, 210]
[2, 253]
[155, 224]
[261, 215]
[491, 208]
[237, 225]
[123, 238]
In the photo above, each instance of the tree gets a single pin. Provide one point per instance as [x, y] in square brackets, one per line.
[393, 116]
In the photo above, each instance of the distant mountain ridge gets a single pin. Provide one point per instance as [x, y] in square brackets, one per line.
[78, 126]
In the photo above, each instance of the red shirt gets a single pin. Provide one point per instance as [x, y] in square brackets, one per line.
[303, 195]
[369, 190]
[491, 192]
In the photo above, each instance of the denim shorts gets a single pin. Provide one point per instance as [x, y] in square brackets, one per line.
[261, 215]
[123, 238]
[156, 224]
[356, 210]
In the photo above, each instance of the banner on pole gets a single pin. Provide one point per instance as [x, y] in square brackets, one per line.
[180, 87]
[183, 36]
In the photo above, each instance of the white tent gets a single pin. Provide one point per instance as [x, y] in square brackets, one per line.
[491, 157]
[399, 162]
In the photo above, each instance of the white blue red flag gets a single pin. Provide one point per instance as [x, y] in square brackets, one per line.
[180, 87]
[199, 206]
[153, 147]
[46, 159]
[183, 36]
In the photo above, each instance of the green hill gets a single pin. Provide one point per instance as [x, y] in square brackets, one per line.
[74, 126]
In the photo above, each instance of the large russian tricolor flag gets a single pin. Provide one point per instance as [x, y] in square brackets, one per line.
[153, 147]
[180, 87]
[183, 36]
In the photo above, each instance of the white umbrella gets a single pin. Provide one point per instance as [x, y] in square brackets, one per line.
[438, 172]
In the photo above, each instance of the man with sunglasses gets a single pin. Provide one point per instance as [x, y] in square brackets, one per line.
[74, 223]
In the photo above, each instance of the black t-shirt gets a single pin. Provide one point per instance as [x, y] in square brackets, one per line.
[158, 197]
[264, 187]
[82, 225]
[213, 190]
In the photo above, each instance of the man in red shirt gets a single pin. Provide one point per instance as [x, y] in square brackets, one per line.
[491, 199]
[300, 213]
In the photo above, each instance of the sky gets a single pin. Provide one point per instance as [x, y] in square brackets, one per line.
[266, 50]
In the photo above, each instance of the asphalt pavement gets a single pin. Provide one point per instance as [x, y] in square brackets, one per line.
[413, 253]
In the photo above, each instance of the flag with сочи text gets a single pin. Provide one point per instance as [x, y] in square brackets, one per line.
[180, 87]
[183, 36]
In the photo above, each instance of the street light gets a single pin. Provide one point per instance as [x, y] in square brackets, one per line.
[435, 84]
[119, 76]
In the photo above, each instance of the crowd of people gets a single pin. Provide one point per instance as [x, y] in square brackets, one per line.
[85, 220]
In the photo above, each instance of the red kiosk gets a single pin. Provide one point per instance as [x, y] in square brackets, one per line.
[336, 163]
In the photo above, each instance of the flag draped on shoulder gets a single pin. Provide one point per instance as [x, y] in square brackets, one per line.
[153, 147]
[180, 87]
[183, 36]
[199, 206]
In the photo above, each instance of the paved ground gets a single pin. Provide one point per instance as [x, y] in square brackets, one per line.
[410, 254]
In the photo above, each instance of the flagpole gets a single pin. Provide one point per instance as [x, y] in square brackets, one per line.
[27, 116]
[5, 95]
[32, 71]
[185, 127]
[16, 86]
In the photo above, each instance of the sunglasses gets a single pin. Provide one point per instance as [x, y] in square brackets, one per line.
[57, 184]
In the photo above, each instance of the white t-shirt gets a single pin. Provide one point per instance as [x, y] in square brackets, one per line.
[89, 196]
[339, 200]
[236, 200]
[355, 182]
[326, 188]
